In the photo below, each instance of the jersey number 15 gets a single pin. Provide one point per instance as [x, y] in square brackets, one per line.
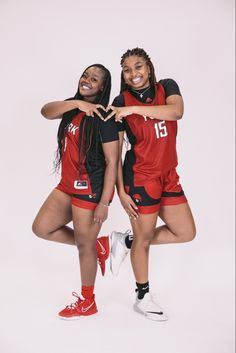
[161, 130]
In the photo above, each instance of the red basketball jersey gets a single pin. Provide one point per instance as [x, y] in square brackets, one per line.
[70, 157]
[153, 142]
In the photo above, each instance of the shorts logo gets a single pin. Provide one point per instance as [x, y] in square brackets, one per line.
[81, 184]
[92, 196]
[137, 198]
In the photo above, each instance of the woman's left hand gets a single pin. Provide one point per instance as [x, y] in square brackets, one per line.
[100, 213]
[119, 112]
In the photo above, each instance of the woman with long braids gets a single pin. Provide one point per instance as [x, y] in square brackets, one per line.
[148, 186]
[88, 149]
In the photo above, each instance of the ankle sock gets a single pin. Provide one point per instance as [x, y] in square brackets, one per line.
[129, 240]
[142, 289]
[87, 291]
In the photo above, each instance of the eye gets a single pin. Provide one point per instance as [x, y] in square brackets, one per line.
[125, 71]
[93, 79]
[138, 67]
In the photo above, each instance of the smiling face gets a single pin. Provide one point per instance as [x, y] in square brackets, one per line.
[136, 72]
[91, 83]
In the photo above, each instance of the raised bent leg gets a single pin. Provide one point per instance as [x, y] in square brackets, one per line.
[55, 213]
[179, 225]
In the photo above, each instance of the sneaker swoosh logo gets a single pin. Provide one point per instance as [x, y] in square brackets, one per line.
[103, 250]
[84, 310]
[155, 312]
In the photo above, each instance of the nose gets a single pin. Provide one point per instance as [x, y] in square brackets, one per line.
[87, 80]
[133, 73]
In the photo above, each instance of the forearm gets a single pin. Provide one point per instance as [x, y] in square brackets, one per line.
[55, 110]
[109, 182]
[119, 181]
[168, 112]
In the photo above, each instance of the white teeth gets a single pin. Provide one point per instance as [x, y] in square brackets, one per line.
[85, 87]
[136, 80]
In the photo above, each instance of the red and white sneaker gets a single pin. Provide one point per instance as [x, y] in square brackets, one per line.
[103, 252]
[82, 307]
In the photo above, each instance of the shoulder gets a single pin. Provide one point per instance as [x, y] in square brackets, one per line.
[170, 86]
[108, 130]
[119, 101]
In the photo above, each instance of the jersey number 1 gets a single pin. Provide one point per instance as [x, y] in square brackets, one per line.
[161, 130]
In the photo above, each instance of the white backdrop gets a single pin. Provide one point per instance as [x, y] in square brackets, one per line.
[45, 45]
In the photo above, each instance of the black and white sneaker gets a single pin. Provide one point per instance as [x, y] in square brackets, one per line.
[149, 308]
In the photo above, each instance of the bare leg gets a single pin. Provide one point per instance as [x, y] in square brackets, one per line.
[179, 225]
[143, 230]
[86, 232]
[55, 213]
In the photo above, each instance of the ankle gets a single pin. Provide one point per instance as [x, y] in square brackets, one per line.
[142, 289]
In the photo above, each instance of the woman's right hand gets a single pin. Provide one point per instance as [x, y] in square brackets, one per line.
[129, 205]
[90, 108]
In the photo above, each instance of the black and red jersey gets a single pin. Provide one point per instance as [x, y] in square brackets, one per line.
[153, 141]
[86, 176]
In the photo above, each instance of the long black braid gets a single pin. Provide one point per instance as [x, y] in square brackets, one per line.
[89, 125]
[141, 53]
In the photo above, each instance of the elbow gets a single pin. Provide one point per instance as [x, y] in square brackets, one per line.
[112, 163]
[44, 112]
[179, 114]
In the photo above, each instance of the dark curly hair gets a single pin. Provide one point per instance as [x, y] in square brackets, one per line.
[141, 53]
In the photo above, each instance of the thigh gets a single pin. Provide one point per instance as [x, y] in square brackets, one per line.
[178, 218]
[55, 212]
[84, 225]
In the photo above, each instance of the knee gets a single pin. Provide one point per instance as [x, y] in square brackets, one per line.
[143, 242]
[84, 244]
[190, 234]
[38, 230]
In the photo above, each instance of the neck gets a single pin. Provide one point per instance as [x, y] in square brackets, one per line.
[89, 99]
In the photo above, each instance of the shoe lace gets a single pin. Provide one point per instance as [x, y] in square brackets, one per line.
[76, 304]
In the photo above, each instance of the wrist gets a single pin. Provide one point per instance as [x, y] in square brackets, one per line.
[104, 204]
[121, 192]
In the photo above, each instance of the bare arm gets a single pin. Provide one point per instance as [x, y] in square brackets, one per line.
[55, 110]
[173, 110]
[111, 152]
[119, 182]
[126, 201]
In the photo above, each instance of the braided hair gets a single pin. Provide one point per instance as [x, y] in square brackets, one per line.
[89, 125]
[141, 53]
